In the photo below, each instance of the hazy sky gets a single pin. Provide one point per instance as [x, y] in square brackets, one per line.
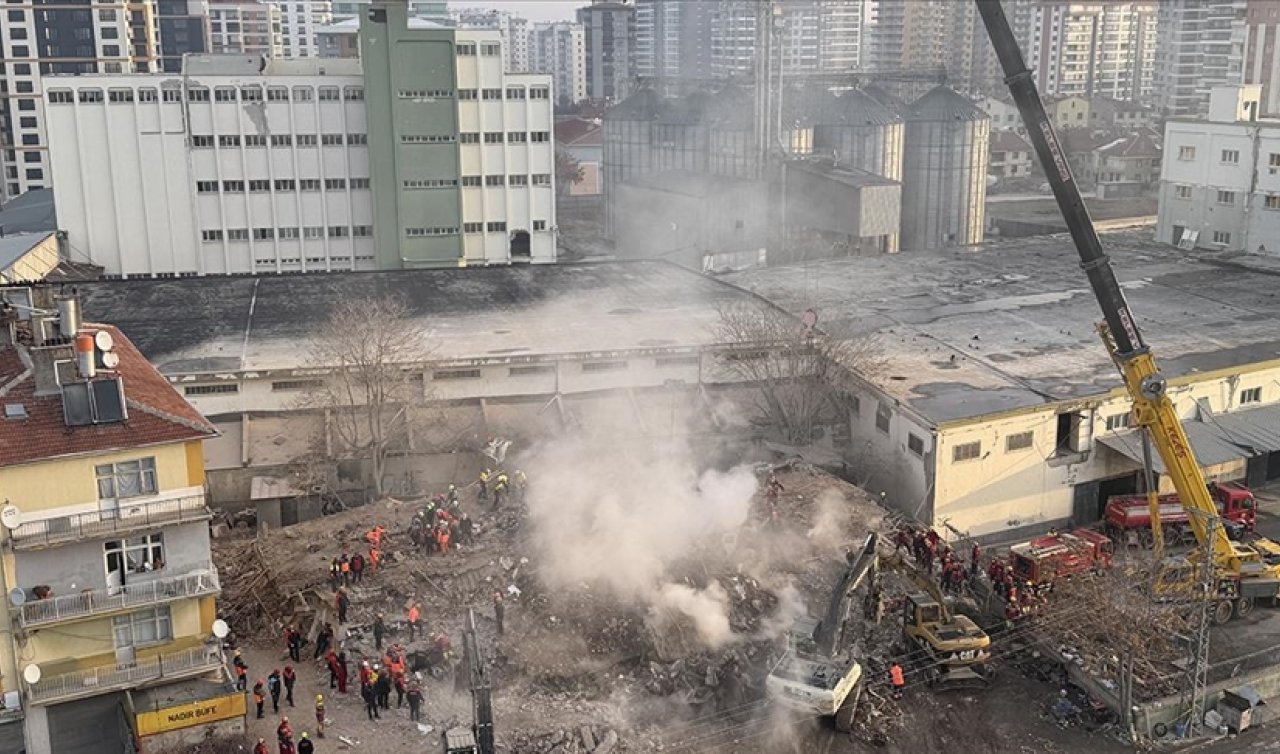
[534, 10]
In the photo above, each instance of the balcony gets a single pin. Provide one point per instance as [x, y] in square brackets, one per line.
[126, 518]
[93, 681]
[95, 602]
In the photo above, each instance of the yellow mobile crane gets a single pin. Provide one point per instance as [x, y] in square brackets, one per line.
[1243, 573]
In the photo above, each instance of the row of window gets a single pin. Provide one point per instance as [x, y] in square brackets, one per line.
[492, 95]
[1227, 156]
[493, 226]
[280, 184]
[204, 94]
[486, 48]
[536, 179]
[233, 141]
[286, 234]
[510, 137]
[1270, 201]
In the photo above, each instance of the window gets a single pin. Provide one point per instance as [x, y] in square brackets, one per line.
[603, 366]
[126, 479]
[490, 49]
[1274, 160]
[429, 183]
[61, 96]
[915, 444]
[17, 16]
[359, 183]
[1182, 192]
[309, 184]
[1186, 153]
[497, 226]
[515, 92]
[1231, 156]
[89, 96]
[339, 231]
[421, 232]
[1221, 236]
[105, 15]
[493, 137]
[313, 231]
[335, 184]
[211, 236]
[473, 227]
[303, 93]
[277, 94]
[541, 179]
[331, 140]
[206, 187]
[286, 184]
[465, 49]
[198, 94]
[35, 174]
[284, 385]
[234, 187]
[222, 388]
[966, 452]
[224, 94]
[147, 95]
[883, 416]
[456, 374]
[517, 137]
[354, 139]
[539, 92]
[1118, 421]
[467, 94]
[27, 105]
[228, 141]
[1019, 441]
[263, 234]
[238, 234]
[120, 95]
[518, 180]
[353, 93]
[469, 137]
[251, 94]
[281, 140]
[470, 180]
[1271, 201]
[142, 628]
[201, 142]
[1252, 395]
[254, 140]
[540, 137]
[135, 555]
[426, 139]
[287, 234]
[492, 94]
[539, 224]
[362, 231]
[329, 94]
[544, 369]
[306, 140]
[494, 180]
[1226, 197]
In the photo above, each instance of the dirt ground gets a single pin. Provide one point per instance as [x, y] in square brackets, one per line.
[575, 665]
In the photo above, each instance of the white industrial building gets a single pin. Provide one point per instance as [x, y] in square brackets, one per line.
[1220, 181]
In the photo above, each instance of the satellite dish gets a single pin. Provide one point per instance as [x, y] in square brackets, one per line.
[10, 516]
[110, 360]
[31, 673]
[103, 340]
[221, 629]
[17, 596]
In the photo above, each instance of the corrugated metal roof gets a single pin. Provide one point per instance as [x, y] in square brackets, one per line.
[944, 103]
[857, 108]
[15, 247]
[1210, 446]
[1255, 428]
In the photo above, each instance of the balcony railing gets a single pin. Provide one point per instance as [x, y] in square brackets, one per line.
[93, 681]
[101, 601]
[127, 517]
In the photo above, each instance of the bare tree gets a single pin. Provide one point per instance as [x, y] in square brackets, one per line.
[800, 373]
[568, 171]
[368, 394]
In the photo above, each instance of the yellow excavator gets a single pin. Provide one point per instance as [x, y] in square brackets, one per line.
[952, 648]
[1243, 573]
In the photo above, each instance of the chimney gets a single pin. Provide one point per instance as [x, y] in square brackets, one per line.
[51, 365]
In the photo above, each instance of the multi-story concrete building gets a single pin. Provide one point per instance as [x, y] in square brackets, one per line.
[658, 37]
[1128, 166]
[39, 40]
[559, 49]
[1261, 58]
[111, 585]
[299, 23]
[905, 35]
[608, 33]
[1220, 181]
[182, 27]
[1200, 45]
[1092, 47]
[245, 27]
[514, 29]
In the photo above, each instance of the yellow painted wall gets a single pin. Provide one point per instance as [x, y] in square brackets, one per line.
[195, 463]
[72, 646]
[71, 481]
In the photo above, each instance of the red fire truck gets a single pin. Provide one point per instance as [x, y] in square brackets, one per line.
[1044, 559]
[1127, 514]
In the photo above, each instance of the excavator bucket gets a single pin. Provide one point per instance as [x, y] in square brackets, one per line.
[961, 679]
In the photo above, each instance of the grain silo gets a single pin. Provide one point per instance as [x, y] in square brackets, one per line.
[863, 134]
[679, 136]
[627, 150]
[944, 172]
[727, 120]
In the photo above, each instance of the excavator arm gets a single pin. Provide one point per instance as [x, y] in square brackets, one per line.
[830, 634]
[1147, 387]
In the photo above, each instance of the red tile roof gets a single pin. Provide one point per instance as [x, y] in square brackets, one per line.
[158, 413]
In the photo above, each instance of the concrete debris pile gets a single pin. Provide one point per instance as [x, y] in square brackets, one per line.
[585, 739]
[725, 679]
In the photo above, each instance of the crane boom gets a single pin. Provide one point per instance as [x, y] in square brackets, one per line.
[1153, 409]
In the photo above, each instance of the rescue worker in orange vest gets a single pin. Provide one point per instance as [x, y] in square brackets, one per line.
[442, 537]
[898, 680]
[374, 558]
[415, 616]
[260, 747]
[258, 697]
[242, 670]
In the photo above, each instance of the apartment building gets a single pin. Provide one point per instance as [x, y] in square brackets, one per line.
[514, 29]
[1098, 48]
[300, 21]
[245, 27]
[1200, 46]
[111, 588]
[1220, 178]
[1261, 58]
[914, 35]
[182, 27]
[462, 159]
[37, 40]
[559, 49]
[608, 32]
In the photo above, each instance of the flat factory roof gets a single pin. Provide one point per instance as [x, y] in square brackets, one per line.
[234, 324]
[1010, 324]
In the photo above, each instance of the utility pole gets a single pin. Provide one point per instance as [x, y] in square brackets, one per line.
[1205, 580]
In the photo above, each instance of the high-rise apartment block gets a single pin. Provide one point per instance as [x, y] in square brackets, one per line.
[559, 49]
[37, 40]
[1095, 48]
[300, 20]
[1200, 45]
[1261, 56]
[245, 27]
[514, 30]
[608, 34]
